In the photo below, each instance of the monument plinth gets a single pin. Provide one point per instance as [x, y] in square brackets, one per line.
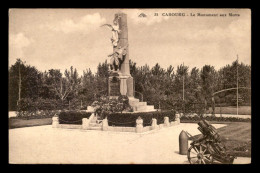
[114, 85]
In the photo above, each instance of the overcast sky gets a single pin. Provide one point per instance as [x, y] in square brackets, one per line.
[60, 38]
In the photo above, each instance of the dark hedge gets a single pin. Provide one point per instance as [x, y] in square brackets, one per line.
[73, 117]
[129, 119]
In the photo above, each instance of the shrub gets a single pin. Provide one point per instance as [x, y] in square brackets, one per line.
[75, 104]
[104, 105]
[73, 117]
[36, 114]
[26, 104]
[129, 119]
[38, 108]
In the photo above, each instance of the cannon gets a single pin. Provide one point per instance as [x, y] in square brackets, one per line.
[208, 148]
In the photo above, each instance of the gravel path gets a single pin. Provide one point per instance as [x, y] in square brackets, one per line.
[44, 144]
[224, 115]
[231, 115]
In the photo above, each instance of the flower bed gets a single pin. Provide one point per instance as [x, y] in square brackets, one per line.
[213, 118]
[73, 117]
[129, 119]
[39, 114]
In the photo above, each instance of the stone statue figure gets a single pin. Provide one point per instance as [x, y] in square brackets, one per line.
[117, 58]
[115, 30]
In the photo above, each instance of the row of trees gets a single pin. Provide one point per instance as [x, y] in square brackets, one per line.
[167, 86]
[160, 87]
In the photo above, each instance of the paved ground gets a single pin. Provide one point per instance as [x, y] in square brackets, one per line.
[44, 144]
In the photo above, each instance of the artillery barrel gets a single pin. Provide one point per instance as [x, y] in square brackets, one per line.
[208, 130]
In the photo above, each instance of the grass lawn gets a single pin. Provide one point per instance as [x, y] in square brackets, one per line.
[18, 123]
[236, 136]
[242, 110]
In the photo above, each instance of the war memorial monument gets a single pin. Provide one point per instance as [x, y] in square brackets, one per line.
[120, 81]
[97, 118]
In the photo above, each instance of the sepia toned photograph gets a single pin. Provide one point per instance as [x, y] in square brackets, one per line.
[129, 86]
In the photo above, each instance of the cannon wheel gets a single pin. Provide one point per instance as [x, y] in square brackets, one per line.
[199, 154]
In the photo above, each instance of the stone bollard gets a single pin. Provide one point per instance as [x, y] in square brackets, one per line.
[154, 124]
[104, 124]
[183, 143]
[55, 121]
[85, 123]
[177, 119]
[139, 125]
[166, 121]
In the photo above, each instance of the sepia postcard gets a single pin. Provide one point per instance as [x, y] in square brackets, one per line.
[129, 86]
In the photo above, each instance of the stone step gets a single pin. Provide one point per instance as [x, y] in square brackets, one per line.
[145, 108]
[138, 104]
[134, 104]
[94, 128]
[95, 125]
[133, 101]
[141, 107]
[150, 106]
[142, 103]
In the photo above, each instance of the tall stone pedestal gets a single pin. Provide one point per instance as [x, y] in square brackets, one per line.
[120, 84]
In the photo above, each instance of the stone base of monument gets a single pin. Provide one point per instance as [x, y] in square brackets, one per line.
[140, 106]
[135, 104]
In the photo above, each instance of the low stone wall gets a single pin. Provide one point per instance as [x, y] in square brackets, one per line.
[55, 124]
[69, 126]
[85, 123]
[138, 129]
[120, 129]
[139, 126]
